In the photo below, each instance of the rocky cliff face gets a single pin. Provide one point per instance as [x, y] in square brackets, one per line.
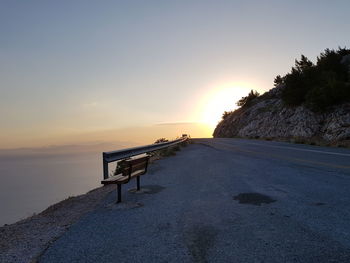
[269, 118]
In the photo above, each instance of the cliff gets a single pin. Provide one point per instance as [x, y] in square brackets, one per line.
[268, 117]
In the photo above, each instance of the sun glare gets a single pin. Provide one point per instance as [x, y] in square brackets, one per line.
[221, 99]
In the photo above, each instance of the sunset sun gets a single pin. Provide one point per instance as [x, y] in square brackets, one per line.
[221, 99]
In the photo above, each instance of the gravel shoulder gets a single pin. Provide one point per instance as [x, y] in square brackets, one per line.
[25, 240]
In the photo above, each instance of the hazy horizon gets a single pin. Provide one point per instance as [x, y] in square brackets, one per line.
[112, 139]
[89, 72]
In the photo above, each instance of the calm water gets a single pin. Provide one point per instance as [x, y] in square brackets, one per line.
[29, 184]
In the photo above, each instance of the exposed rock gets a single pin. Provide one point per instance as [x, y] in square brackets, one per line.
[268, 117]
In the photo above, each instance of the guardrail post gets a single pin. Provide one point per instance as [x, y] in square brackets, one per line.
[105, 167]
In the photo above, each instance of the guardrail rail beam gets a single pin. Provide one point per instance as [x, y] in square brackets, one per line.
[108, 157]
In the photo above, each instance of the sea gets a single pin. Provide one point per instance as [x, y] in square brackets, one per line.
[31, 183]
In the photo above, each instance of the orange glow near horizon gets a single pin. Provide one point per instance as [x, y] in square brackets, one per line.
[220, 99]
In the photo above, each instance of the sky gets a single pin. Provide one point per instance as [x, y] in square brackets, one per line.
[134, 71]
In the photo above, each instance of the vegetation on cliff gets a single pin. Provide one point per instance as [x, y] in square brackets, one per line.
[318, 86]
[246, 101]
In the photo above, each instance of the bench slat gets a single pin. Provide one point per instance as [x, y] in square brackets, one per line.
[119, 179]
[112, 179]
[135, 167]
[138, 160]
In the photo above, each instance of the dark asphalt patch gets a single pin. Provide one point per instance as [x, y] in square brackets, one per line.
[164, 226]
[199, 239]
[318, 204]
[148, 189]
[253, 198]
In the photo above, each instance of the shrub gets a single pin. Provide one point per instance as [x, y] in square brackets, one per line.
[226, 114]
[160, 140]
[121, 165]
[247, 101]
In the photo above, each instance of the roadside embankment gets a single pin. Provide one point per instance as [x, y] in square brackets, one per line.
[25, 240]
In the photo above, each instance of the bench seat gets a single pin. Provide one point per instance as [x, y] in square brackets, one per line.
[120, 178]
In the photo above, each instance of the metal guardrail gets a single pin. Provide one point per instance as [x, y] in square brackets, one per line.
[113, 156]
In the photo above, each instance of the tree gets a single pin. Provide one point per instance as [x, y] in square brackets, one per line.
[330, 60]
[330, 92]
[246, 101]
[318, 86]
[226, 114]
[278, 80]
[303, 64]
[296, 88]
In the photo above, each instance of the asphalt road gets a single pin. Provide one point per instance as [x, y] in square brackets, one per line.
[224, 200]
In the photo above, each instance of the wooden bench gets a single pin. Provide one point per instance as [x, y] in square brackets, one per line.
[134, 167]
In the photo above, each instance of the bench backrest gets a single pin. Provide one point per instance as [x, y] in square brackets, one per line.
[136, 165]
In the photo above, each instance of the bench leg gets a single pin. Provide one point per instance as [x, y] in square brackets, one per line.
[138, 183]
[119, 193]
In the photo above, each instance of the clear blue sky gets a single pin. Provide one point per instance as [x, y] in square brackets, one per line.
[71, 67]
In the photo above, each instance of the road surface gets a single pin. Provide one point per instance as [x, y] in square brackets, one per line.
[224, 200]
